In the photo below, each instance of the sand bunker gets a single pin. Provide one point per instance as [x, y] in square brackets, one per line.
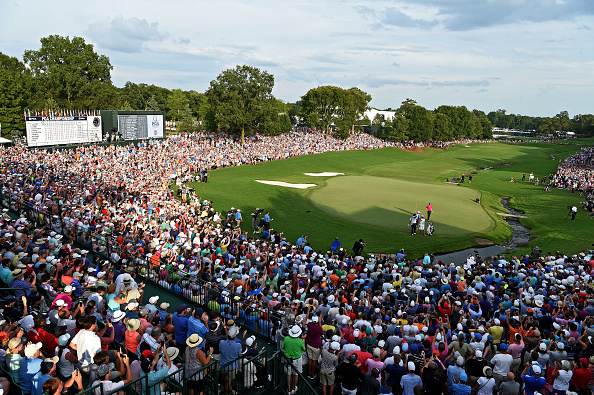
[325, 174]
[287, 184]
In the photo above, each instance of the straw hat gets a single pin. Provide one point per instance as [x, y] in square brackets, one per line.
[133, 325]
[194, 340]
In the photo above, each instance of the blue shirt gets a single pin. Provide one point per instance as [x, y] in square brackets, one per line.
[37, 383]
[460, 389]
[23, 288]
[230, 351]
[29, 368]
[180, 322]
[195, 325]
[154, 377]
[532, 384]
[408, 382]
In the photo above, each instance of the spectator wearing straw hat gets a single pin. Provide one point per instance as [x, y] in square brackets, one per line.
[195, 360]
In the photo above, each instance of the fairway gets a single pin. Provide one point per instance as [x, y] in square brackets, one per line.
[389, 203]
[381, 188]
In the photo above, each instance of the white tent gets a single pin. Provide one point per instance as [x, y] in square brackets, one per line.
[4, 141]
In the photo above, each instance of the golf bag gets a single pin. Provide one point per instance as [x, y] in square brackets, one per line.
[429, 228]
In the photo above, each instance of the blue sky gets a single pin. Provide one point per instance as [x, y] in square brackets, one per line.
[533, 57]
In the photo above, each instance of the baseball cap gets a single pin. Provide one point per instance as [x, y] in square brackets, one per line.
[503, 347]
[31, 349]
[182, 307]
[411, 367]
[536, 369]
[250, 341]
[314, 319]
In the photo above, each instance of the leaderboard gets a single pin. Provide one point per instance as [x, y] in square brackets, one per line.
[55, 130]
[140, 127]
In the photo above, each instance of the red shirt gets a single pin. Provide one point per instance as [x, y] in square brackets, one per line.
[41, 335]
[581, 377]
[314, 335]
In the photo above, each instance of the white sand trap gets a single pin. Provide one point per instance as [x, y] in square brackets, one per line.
[467, 146]
[287, 184]
[325, 174]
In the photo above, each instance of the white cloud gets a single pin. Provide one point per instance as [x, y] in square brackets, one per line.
[528, 57]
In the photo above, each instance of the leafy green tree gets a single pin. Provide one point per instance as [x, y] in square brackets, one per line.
[125, 106]
[195, 100]
[63, 67]
[12, 94]
[442, 128]
[176, 104]
[187, 123]
[151, 104]
[378, 119]
[562, 121]
[240, 98]
[319, 106]
[583, 124]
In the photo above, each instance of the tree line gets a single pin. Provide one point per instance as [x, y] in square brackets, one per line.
[67, 73]
[581, 124]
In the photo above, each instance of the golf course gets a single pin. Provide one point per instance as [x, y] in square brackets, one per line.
[376, 191]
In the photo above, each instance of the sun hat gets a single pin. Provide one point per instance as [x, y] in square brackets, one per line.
[117, 316]
[194, 340]
[131, 306]
[295, 331]
[488, 371]
[173, 352]
[233, 332]
[133, 324]
[60, 303]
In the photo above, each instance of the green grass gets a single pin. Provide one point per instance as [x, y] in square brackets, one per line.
[382, 187]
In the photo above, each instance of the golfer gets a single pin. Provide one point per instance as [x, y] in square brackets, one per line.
[429, 209]
[412, 222]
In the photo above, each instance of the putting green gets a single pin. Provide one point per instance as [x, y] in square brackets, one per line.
[389, 203]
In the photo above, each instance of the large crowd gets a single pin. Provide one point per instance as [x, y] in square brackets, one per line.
[576, 172]
[513, 324]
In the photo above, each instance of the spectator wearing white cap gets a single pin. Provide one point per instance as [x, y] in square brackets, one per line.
[328, 367]
[410, 380]
[315, 332]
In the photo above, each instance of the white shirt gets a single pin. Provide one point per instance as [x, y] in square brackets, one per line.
[87, 345]
[486, 386]
[502, 363]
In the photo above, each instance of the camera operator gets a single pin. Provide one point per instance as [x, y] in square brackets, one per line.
[358, 247]
[255, 216]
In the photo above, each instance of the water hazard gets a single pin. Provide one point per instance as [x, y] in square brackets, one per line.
[520, 236]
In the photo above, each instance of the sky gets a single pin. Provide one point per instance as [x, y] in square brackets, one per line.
[530, 57]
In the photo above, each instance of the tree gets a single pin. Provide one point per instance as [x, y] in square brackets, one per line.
[151, 104]
[324, 105]
[12, 94]
[239, 98]
[354, 103]
[319, 106]
[63, 67]
[176, 104]
[186, 124]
